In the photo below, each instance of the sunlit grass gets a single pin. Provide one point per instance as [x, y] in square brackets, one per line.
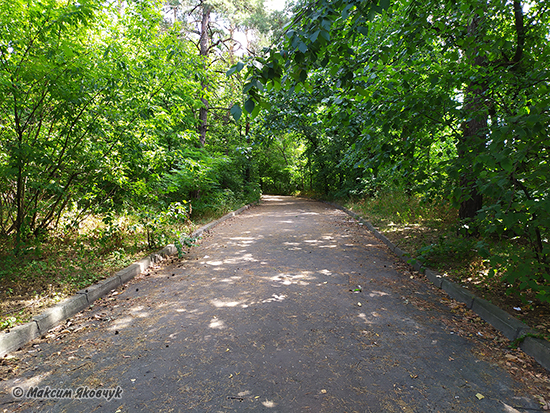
[395, 211]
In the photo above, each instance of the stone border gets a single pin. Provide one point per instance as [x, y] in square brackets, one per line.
[20, 335]
[509, 326]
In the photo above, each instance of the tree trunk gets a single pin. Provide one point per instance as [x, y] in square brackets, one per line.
[248, 171]
[204, 45]
[474, 129]
[20, 190]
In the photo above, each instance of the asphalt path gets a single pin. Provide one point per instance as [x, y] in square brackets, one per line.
[263, 316]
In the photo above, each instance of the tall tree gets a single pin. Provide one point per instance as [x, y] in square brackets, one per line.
[204, 50]
[214, 24]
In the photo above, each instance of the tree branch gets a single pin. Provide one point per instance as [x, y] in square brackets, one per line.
[520, 31]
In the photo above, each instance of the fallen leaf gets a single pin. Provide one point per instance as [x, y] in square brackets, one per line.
[511, 357]
[480, 396]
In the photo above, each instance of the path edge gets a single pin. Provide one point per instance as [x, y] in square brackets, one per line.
[16, 337]
[511, 327]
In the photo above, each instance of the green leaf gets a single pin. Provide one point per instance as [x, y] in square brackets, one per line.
[235, 68]
[325, 35]
[313, 37]
[363, 30]
[385, 4]
[362, 92]
[454, 56]
[236, 112]
[231, 70]
[507, 164]
[249, 105]
[255, 111]
[248, 86]
[345, 12]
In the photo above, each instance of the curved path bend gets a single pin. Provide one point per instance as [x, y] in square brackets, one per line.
[260, 317]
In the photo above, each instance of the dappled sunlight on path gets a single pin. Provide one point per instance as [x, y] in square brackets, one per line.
[289, 307]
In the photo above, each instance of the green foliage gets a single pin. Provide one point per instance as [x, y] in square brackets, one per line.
[8, 323]
[65, 262]
[82, 119]
[165, 226]
[448, 249]
[99, 108]
[211, 182]
[102, 109]
[392, 206]
[182, 242]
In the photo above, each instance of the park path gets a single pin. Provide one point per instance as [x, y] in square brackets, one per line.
[261, 317]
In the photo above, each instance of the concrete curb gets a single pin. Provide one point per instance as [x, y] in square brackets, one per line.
[211, 225]
[509, 326]
[18, 336]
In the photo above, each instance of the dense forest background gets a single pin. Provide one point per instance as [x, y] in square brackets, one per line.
[139, 118]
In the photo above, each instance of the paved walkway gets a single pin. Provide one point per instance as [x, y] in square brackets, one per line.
[260, 317]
